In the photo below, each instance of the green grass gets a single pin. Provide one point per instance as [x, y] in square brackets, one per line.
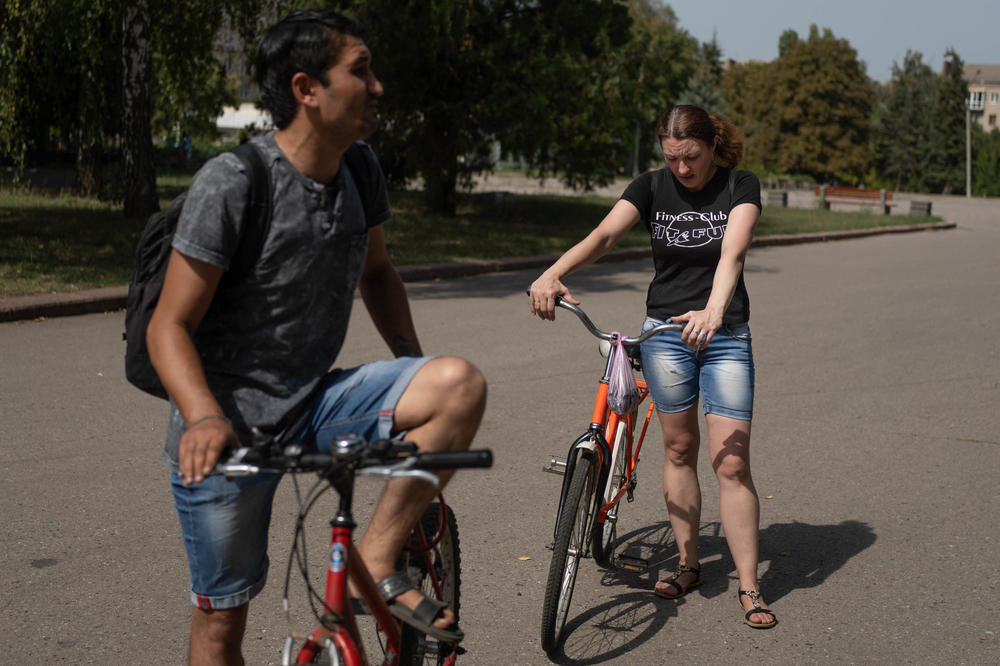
[775, 221]
[58, 243]
[62, 243]
[485, 228]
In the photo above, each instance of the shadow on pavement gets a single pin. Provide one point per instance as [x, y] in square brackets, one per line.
[793, 556]
[505, 284]
[614, 628]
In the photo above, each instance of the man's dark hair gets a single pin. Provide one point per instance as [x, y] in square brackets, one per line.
[308, 41]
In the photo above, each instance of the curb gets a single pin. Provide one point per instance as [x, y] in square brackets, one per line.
[106, 299]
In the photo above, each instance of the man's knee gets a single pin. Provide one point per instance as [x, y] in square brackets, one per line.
[460, 383]
[448, 395]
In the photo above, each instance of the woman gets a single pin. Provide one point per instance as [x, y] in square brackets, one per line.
[701, 213]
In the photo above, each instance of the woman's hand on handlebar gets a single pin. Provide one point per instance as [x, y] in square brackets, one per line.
[542, 296]
[700, 327]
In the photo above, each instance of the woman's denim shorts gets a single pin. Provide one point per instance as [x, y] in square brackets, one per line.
[722, 373]
[225, 523]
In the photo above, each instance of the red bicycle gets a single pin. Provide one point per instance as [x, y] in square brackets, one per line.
[600, 470]
[431, 559]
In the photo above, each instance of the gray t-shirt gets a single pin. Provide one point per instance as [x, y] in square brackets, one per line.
[270, 337]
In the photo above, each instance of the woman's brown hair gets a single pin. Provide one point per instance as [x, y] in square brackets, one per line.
[692, 122]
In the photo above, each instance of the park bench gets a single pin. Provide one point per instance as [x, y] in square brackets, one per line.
[829, 194]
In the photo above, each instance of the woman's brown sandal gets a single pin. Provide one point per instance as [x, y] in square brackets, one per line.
[674, 583]
[755, 598]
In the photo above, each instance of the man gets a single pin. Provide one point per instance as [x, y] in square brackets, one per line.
[236, 352]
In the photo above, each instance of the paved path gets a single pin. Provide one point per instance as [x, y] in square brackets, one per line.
[875, 440]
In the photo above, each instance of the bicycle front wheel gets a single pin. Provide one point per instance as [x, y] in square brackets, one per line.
[570, 545]
[436, 573]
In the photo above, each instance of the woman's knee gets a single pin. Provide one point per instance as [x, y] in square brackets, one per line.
[681, 448]
[732, 468]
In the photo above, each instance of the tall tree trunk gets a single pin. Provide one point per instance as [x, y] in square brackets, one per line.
[439, 190]
[137, 152]
[89, 138]
[87, 165]
[441, 170]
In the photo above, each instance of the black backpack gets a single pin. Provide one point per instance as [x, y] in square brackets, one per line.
[153, 253]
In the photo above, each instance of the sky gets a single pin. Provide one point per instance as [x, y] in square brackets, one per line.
[880, 31]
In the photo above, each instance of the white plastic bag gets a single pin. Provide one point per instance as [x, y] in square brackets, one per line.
[623, 392]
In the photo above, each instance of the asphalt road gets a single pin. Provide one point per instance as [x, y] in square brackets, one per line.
[876, 447]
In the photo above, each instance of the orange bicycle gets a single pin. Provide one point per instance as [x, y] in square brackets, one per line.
[599, 471]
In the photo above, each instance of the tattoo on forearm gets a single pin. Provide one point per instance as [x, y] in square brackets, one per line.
[403, 346]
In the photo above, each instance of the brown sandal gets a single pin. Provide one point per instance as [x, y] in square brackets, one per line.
[755, 598]
[673, 581]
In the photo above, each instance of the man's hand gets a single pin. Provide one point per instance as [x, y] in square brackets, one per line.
[202, 444]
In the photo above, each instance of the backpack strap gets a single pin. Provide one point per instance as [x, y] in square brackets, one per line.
[357, 164]
[258, 212]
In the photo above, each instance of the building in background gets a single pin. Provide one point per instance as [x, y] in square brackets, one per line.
[984, 95]
[245, 118]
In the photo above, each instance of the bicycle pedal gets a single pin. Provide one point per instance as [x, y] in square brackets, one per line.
[556, 465]
[632, 563]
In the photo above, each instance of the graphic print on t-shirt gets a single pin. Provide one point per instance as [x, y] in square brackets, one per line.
[688, 230]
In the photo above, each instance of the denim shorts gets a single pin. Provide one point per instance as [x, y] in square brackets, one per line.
[225, 523]
[722, 373]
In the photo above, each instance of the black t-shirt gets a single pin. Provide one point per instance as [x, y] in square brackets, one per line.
[685, 231]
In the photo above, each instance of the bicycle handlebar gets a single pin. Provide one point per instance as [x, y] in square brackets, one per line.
[604, 335]
[380, 458]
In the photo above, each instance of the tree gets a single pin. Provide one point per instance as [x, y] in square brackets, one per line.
[786, 40]
[139, 176]
[918, 126]
[901, 124]
[986, 162]
[807, 111]
[532, 77]
[705, 87]
[749, 89]
[947, 147]
[651, 71]
[823, 100]
[92, 103]
[52, 102]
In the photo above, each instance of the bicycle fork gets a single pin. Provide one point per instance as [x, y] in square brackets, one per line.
[591, 443]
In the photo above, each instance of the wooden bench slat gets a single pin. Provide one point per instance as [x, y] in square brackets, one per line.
[854, 195]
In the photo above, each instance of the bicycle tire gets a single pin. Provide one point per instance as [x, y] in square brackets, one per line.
[604, 533]
[416, 648]
[569, 547]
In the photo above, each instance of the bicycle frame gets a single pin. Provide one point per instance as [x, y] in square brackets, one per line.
[339, 624]
[631, 456]
[604, 423]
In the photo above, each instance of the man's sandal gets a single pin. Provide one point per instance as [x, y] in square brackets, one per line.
[674, 583]
[422, 617]
[755, 598]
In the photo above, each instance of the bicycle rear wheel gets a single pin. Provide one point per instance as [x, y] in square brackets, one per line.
[570, 545]
[445, 563]
[605, 532]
